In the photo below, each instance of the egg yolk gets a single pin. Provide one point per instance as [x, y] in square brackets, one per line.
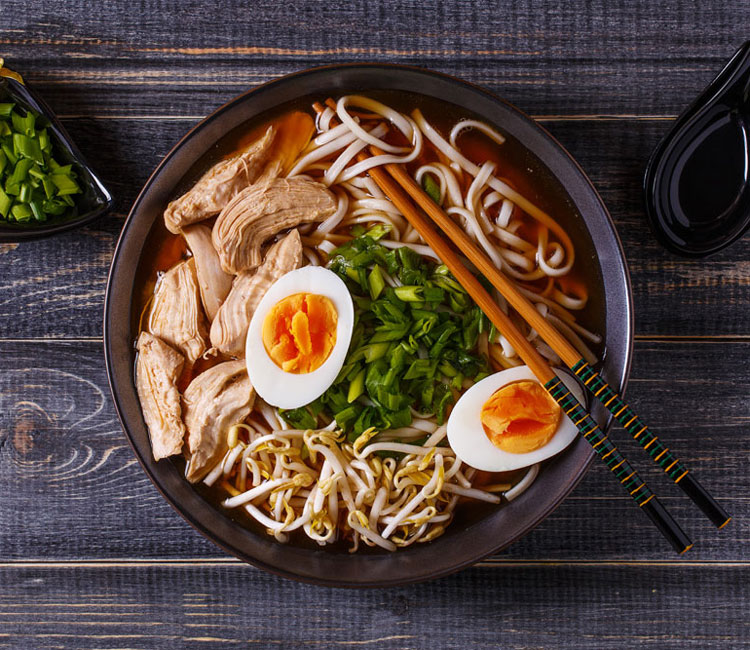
[520, 417]
[299, 332]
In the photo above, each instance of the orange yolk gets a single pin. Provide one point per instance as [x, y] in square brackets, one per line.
[300, 331]
[520, 417]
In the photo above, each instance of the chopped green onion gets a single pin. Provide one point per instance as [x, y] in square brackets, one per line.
[299, 417]
[5, 203]
[409, 293]
[21, 212]
[33, 184]
[24, 146]
[44, 141]
[21, 171]
[24, 195]
[376, 282]
[38, 211]
[413, 345]
[12, 158]
[357, 387]
[431, 188]
[375, 351]
[65, 184]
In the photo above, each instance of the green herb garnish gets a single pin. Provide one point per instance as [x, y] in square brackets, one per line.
[430, 186]
[33, 185]
[413, 345]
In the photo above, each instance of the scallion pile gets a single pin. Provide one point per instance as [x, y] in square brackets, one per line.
[413, 345]
[33, 185]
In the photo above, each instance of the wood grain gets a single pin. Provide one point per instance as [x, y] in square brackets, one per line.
[73, 489]
[92, 557]
[231, 606]
[55, 288]
[583, 57]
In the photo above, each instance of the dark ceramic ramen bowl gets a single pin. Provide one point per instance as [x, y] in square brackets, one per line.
[470, 537]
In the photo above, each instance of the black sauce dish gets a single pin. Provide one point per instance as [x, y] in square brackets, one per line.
[697, 181]
[467, 540]
[94, 201]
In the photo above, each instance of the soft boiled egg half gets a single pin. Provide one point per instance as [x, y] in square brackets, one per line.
[508, 420]
[299, 336]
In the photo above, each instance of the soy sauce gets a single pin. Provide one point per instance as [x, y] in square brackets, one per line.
[712, 174]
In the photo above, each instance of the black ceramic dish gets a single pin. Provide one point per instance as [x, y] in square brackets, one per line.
[462, 545]
[697, 182]
[92, 203]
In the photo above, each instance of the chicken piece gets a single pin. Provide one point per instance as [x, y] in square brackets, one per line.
[156, 373]
[213, 282]
[229, 328]
[176, 316]
[219, 185]
[214, 401]
[260, 211]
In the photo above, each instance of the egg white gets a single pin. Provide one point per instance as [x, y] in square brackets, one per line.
[467, 437]
[285, 389]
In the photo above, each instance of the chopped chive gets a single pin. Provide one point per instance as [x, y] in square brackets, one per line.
[21, 212]
[375, 351]
[409, 293]
[33, 184]
[21, 171]
[24, 146]
[49, 187]
[414, 344]
[12, 159]
[357, 387]
[431, 188]
[65, 184]
[44, 141]
[37, 210]
[24, 196]
[5, 203]
[376, 282]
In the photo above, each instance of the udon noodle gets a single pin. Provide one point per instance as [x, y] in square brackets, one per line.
[393, 488]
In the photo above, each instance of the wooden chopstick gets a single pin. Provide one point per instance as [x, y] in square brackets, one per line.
[622, 412]
[590, 430]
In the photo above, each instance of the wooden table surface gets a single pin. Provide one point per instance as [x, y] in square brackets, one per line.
[91, 556]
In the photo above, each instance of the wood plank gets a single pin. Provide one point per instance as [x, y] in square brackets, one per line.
[73, 489]
[233, 606]
[55, 288]
[583, 59]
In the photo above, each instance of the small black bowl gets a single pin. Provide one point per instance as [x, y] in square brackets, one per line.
[95, 199]
[467, 541]
[696, 186]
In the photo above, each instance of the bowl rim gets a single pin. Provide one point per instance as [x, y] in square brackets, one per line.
[10, 233]
[579, 455]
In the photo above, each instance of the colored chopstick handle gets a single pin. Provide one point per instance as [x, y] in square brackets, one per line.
[646, 439]
[618, 465]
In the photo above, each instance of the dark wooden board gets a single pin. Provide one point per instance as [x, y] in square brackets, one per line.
[196, 605]
[92, 557]
[55, 288]
[73, 489]
[577, 57]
